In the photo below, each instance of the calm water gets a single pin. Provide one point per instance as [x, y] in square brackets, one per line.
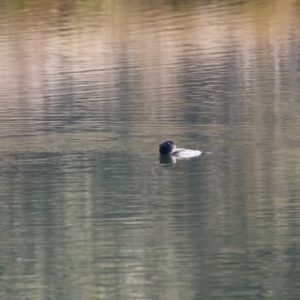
[89, 90]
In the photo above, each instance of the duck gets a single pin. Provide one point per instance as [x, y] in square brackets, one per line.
[169, 148]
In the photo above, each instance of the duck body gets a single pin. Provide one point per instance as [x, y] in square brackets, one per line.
[169, 148]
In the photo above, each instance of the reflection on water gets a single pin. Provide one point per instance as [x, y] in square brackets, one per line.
[167, 159]
[88, 208]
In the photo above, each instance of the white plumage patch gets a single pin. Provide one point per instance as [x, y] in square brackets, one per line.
[186, 153]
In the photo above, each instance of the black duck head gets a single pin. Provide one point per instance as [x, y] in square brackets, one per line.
[167, 147]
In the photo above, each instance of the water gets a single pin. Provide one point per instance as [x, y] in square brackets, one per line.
[88, 208]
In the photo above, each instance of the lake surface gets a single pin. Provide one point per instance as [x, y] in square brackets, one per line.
[89, 90]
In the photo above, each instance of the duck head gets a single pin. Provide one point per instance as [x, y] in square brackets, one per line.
[167, 147]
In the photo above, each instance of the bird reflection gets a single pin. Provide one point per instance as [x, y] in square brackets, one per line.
[170, 159]
[167, 160]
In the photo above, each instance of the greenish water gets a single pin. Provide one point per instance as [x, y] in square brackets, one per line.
[88, 209]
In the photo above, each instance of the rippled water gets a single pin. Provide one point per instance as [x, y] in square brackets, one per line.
[89, 90]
